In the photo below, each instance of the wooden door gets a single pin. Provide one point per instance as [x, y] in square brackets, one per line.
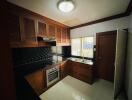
[106, 47]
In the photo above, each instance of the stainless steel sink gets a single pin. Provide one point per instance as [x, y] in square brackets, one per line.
[85, 61]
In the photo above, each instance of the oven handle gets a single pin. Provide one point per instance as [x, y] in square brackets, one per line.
[53, 72]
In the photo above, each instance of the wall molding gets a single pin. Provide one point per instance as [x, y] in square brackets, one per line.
[126, 13]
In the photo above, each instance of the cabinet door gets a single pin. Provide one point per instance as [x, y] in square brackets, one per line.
[70, 67]
[14, 28]
[68, 37]
[64, 70]
[42, 29]
[37, 81]
[58, 34]
[80, 71]
[28, 30]
[51, 30]
[85, 73]
[64, 33]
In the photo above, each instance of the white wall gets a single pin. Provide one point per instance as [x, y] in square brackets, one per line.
[91, 30]
[129, 63]
[121, 23]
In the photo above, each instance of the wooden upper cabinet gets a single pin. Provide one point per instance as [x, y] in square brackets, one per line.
[28, 29]
[51, 30]
[64, 35]
[22, 31]
[58, 34]
[14, 28]
[68, 37]
[42, 29]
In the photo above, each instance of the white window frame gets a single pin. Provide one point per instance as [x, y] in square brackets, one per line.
[81, 47]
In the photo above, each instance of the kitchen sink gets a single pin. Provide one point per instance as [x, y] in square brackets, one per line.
[85, 61]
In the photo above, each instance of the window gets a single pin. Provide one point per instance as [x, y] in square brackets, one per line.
[82, 47]
[87, 47]
[76, 46]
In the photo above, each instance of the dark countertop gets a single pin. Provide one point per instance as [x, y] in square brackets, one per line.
[81, 60]
[23, 89]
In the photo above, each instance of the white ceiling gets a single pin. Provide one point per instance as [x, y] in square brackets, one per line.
[85, 11]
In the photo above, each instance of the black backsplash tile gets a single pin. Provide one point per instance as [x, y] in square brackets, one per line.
[27, 60]
[31, 56]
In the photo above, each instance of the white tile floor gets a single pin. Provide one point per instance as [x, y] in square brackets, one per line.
[73, 89]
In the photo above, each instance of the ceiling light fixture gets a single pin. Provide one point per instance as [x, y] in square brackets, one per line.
[66, 5]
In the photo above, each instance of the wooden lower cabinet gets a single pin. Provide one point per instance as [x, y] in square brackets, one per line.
[37, 80]
[80, 71]
[64, 69]
[83, 72]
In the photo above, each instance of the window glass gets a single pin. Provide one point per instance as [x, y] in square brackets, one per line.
[76, 46]
[87, 47]
[82, 47]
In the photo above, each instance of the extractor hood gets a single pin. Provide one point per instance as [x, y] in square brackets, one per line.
[47, 41]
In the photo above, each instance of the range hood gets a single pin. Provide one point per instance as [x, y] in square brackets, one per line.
[47, 41]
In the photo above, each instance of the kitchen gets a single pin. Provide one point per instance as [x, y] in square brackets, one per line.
[56, 55]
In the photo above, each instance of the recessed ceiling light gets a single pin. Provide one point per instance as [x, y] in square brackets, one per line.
[66, 5]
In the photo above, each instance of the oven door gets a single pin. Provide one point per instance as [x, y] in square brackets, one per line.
[52, 75]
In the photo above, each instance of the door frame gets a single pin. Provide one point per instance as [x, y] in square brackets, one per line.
[121, 88]
[97, 46]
